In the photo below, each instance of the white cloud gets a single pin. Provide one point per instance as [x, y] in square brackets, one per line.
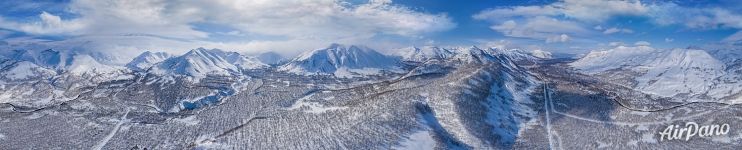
[592, 12]
[499, 44]
[545, 28]
[520, 11]
[47, 24]
[321, 19]
[617, 30]
[736, 37]
[614, 44]
[559, 38]
[297, 24]
[642, 43]
[550, 22]
[669, 39]
[598, 11]
[700, 18]
[583, 10]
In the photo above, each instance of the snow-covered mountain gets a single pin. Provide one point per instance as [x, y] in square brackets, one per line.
[689, 73]
[201, 62]
[541, 54]
[20, 70]
[421, 54]
[146, 60]
[49, 58]
[341, 61]
[731, 81]
[472, 54]
[598, 61]
[86, 65]
[33, 65]
[516, 55]
[271, 58]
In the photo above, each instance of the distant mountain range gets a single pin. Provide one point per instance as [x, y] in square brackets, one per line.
[692, 73]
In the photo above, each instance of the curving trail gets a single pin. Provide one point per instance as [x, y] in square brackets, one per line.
[113, 132]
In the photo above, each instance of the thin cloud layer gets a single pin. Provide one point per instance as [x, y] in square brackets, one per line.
[574, 17]
[292, 26]
[258, 22]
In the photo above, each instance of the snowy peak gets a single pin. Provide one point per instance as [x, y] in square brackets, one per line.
[687, 58]
[472, 54]
[87, 65]
[338, 58]
[513, 54]
[541, 54]
[22, 70]
[425, 53]
[147, 59]
[35, 64]
[201, 62]
[48, 58]
[271, 58]
[663, 72]
[598, 61]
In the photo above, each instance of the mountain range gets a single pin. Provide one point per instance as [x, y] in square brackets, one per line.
[353, 96]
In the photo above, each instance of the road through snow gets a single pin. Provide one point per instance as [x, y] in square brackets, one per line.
[113, 132]
[548, 119]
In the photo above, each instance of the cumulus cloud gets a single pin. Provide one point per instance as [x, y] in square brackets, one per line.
[520, 11]
[617, 30]
[290, 22]
[702, 18]
[545, 28]
[583, 10]
[47, 24]
[559, 21]
[498, 44]
[642, 43]
[591, 13]
[559, 38]
[598, 11]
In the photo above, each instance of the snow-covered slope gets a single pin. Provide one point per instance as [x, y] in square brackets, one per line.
[516, 55]
[541, 54]
[689, 73]
[34, 65]
[147, 59]
[472, 54]
[49, 58]
[201, 62]
[271, 58]
[731, 82]
[21, 70]
[341, 61]
[87, 65]
[598, 61]
[425, 53]
[680, 71]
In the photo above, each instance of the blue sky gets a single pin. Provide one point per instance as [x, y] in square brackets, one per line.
[292, 26]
